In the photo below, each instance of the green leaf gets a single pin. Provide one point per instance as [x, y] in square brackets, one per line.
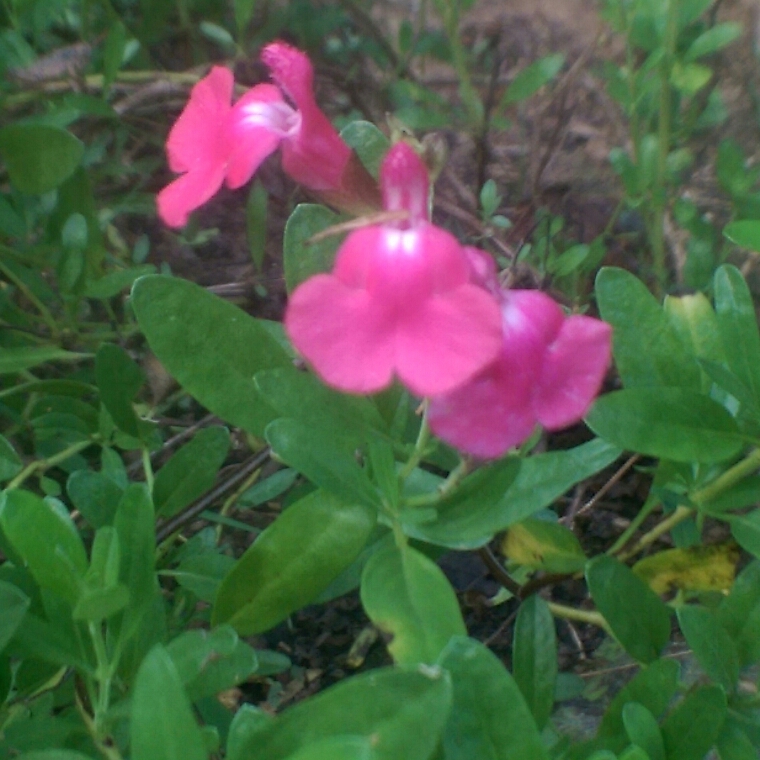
[489, 718]
[202, 574]
[337, 748]
[119, 378]
[643, 730]
[302, 259]
[745, 529]
[113, 51]
[544, 545]
[95, 495]
[14, 360]
[534, 657]
[689, 78]
[44, 536]
[10, 462]
[713, 40]
[209, 662]
[191, 471]
[388, 706]
[211, 347]
[369, 142]
[739, 614]
[636, 615]
[53, 754]
[737, 323]
[163, 726]
[496, 497]
[14, 604]
[305, 398]
[115, 282]
[669, 423]
[745, 233]
[135, 526]
[243, 13]
[292, 561]
[711, 643]
[734, 744]
[98, 604]
[324, 459]
[693, 726]
[652, 687]
[532, 78]
[406, 595]
[39, 157]
[646, 345]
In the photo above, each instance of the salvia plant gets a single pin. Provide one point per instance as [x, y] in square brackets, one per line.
[395, 415]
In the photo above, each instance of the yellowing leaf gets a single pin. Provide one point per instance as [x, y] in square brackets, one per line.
[699, 568]
[543, 545]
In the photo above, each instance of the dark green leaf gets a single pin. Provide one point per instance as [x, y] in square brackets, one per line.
[646, 345]
[368, 141]
[163, 726]
[693, 726]
[210, 346]
[489, 718]
[670, 423]
[734, 744]
[191, 471]
[712, 645]
[534, 657]
[643, 730]
[118, 378]
[301, 258]
[324, 459]
[202, 574]
[256, 223]
[387, 706]
[14, 604]
[10, 462]
[43, 535]
[532, 78]
[406, 595]
[746, 530]
[209, 662]
[292, 561]
[739, 614]
[94, 495]
[38, 157]
[14, 360]
[115, 282]
[738, 327]
[636, 615]
[653, 687]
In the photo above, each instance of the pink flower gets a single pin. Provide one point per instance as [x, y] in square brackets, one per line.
[399, 301]
[213, 140]
[549, 371]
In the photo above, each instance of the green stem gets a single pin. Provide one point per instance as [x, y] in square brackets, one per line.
[663, 144]
[147, 469]
[420, 446]
[730, 477]
[443, 490]
[681, 513]
[580, 616]
[627, 534]
[41, 465]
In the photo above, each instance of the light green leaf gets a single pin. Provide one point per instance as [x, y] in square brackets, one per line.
[292, 561]
[669, 423]
[14, 360]
[532, 78]
[407, 595]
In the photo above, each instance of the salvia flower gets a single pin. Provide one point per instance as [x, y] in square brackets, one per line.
[548, 371]
[399, 301]
[213, 141]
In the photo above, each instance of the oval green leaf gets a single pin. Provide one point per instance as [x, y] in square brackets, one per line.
[669, 423]
[292, 562]
[407, 595]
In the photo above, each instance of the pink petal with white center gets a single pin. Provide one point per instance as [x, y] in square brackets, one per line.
[259, 121]
[199, 137]
[344, 335]
[573, 371]
[489, 415]
[188, 192]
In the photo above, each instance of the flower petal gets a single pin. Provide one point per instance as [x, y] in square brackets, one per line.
[258, 122]
[573, 371]
[199, 136]
[489, 415]
[342, 333]
[446, 339]
[188, 192]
